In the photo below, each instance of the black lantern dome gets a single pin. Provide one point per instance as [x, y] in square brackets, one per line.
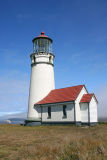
[42, 43]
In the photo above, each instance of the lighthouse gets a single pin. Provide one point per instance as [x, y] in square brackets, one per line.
[42, 74]
[47, 105]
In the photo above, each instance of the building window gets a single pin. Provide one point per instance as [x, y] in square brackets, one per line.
[49, 112]
[64, 111]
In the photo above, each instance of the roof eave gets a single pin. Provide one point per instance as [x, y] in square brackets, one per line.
[55, 103]
[42, 38]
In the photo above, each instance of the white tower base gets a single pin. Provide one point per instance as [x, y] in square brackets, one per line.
[41, 83]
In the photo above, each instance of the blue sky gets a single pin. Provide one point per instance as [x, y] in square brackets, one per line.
[79, 32]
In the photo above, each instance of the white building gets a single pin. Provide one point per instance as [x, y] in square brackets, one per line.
[47, 105]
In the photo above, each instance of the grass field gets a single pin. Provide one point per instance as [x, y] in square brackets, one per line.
[53, 142]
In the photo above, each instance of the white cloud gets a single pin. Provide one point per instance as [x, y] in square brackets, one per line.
[14, 83]
[14, 90]
[9, 113]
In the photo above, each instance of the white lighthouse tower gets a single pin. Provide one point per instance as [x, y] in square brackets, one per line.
[42, 73]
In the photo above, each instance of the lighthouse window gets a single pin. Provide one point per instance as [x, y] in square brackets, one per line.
[50, 59]
[64, 111]
[49, 112]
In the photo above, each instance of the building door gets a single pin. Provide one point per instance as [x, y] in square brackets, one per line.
[84, 112]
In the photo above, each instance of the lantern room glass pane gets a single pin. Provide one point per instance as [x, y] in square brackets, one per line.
[42, 45]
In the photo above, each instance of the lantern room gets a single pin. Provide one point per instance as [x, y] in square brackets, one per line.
[42, 44]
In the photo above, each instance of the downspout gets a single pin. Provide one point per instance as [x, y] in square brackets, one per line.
[41, 113]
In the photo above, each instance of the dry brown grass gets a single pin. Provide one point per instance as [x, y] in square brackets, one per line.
[53, 143]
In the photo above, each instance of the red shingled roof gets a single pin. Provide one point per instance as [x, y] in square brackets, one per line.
[62, 95]
[86, 98]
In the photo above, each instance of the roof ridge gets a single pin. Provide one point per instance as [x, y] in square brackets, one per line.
[89, 93]
[68, 87]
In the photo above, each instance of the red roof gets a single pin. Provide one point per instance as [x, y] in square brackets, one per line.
[42, 34]
[86, 98]
[62, 95]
